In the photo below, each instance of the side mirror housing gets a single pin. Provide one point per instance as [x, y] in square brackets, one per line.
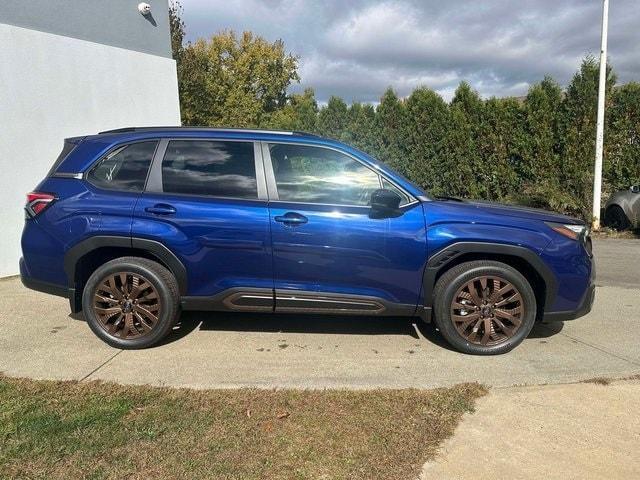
[635, 189]
[385, 203]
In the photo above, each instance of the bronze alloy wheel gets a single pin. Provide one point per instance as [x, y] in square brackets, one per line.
[487, 310]
[127, 305]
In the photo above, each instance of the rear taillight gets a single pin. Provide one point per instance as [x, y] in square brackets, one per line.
[37, 202]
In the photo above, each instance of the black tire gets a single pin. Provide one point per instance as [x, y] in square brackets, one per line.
[450, 285]
[615, 218]
[162, 286]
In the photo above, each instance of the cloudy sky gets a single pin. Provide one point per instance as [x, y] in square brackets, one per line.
[356, 48]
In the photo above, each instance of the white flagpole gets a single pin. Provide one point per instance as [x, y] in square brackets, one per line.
[597, 180]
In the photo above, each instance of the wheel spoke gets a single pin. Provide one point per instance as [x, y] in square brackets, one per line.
[487, 331]
[465, 319]
[145, 312]
[474, 293]
[501, 293]
[512, 299]
[507, 316]
[108, 312]
[507, 330]
[110, 284]
[137, 290]
[143, 323]
[102, 298]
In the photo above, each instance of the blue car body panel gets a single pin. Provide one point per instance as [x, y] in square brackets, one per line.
[343, 250]
[230, 243]
[223, 243]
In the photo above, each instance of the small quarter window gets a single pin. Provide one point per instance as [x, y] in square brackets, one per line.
[212, 168]
[124, 168]
[390, 186]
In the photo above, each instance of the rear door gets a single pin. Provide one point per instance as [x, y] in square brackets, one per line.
[329, 252]
[206, 201]
[115, 183]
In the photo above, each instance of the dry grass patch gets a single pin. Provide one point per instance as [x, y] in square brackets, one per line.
[94, 430]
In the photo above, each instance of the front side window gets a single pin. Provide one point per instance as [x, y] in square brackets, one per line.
[211, 168]
[319, 175]
[124, 168]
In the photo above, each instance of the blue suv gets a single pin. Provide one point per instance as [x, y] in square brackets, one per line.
[136, 224]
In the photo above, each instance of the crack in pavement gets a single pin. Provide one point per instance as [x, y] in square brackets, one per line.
[597, 347]
[101, 365]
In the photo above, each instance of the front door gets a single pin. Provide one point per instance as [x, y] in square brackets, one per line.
[329, 253]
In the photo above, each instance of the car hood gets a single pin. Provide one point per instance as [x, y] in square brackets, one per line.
[517, 211]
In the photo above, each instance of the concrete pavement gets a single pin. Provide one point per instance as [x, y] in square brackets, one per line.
[563, 432]
[39, 339]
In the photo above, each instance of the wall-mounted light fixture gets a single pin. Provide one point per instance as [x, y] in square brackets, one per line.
[144, 8]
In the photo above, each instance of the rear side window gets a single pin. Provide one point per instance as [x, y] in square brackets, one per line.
[211, 168]
[124, 168]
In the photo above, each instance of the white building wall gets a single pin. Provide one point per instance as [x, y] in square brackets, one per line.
[53, 87]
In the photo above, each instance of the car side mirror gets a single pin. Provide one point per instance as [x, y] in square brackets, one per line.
[385, 203]
[635, 189]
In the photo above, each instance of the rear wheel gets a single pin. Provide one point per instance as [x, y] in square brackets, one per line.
[131, 302]
[615, 218]
[484, 307]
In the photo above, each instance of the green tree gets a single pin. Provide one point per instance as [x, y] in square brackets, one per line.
[299, 113]
[360, 130]
[466, 173]
[176, 28]
[426, 124]
[622, 143]
[390, 129]
[539, 172]
[333, 119]
[234, 81]
[578, 134]
[499, 143]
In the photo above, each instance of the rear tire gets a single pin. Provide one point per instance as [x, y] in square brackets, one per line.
[484, 307]
[131, 302]
[615, 218]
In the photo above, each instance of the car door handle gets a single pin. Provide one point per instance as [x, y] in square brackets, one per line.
[161, 209]
[291, 218]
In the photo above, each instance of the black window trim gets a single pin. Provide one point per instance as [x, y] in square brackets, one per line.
[114, 148]
[154, 180]
[272, 188]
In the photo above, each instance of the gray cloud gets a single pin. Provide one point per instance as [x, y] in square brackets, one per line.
[356, 49]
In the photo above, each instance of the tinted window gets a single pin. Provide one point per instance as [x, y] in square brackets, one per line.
[124, 168]
[221, 169]
[390, 186]
[320, 175]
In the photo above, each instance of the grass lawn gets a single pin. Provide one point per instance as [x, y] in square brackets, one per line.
[96, 430]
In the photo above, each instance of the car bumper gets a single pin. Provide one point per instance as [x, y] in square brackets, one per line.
[584, 308]
[42, 286]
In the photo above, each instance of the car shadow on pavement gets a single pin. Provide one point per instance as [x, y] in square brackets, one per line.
[321, 324]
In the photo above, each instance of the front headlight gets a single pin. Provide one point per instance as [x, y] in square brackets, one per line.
[574, 232]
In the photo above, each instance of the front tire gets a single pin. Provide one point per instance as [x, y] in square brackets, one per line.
[131, 302]
[484, 307]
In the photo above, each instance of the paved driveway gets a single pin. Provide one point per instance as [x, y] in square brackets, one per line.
[39, 339]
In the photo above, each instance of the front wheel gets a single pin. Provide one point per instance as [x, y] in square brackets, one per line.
[131, 302]
[484, 307]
